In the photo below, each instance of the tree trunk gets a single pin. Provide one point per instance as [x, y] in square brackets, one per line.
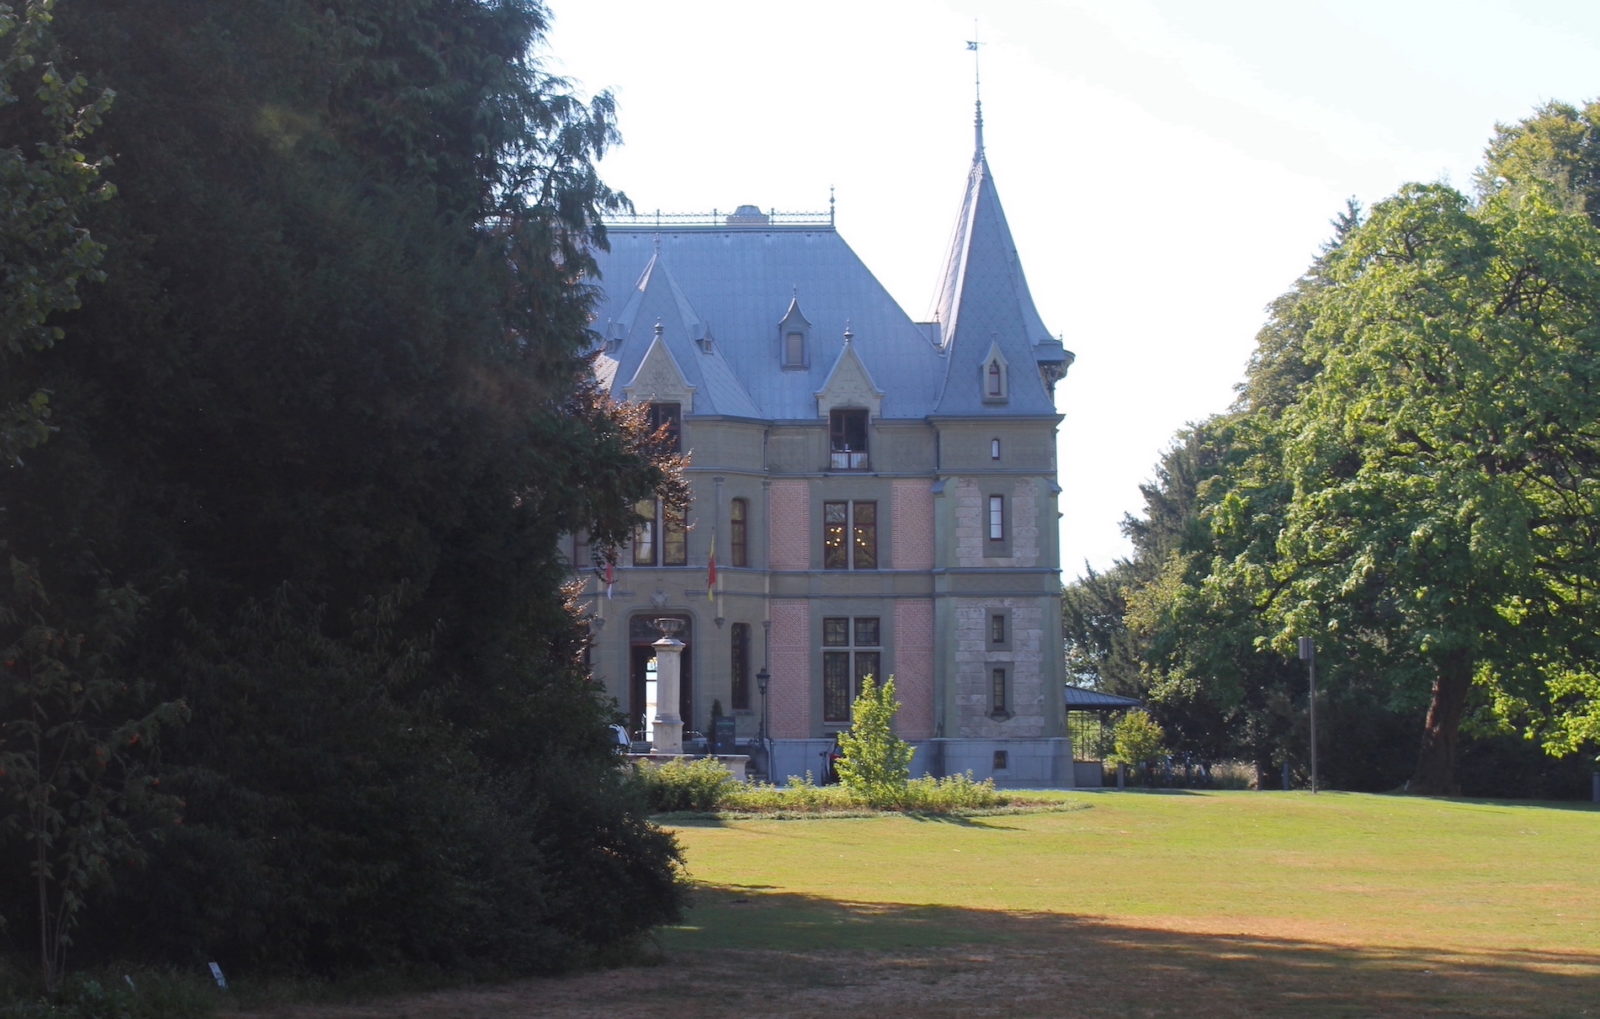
[1436, 758]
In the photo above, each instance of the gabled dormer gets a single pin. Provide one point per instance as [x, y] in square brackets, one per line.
[851, 401]
[660, 379]
[794, 338]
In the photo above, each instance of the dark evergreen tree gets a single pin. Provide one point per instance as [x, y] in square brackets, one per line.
[328, 414]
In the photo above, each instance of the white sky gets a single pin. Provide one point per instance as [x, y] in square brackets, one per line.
[1167, 166]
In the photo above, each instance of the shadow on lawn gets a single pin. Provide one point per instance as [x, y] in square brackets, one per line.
[798, 944]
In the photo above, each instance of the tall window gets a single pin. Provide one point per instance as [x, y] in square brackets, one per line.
[670, 417]
[997, 692]
[852, 650]
[997, 628]
[847, 440]
[994, 379]
[849, 535]
[661, 534]
[739, 532]
[739, 670]
[997, 518]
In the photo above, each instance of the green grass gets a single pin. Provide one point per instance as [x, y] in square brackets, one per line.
[1132, 904]
[1336, 903]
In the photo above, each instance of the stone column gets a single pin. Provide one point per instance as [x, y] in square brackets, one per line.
[669, 664]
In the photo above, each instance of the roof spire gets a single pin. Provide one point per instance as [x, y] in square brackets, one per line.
[977, 92]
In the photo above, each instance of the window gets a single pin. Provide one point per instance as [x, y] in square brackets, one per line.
[996, 379]
[847, 440]
[670, 417]
[794, 349]
[738, 532]
[661, 531]
[998, 704]
[739, 668]
[999, 629]
[849, 535]
[997, 518]
[852, 650]
[994, 449]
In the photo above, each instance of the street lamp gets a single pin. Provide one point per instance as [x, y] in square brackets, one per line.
[1308, 654]
[763, 677]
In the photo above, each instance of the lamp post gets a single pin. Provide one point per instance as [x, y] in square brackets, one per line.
[1308, 654]
[763, 677]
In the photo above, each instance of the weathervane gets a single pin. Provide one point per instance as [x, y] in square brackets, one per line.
[977, 85]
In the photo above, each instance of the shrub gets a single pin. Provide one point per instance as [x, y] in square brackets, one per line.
[953, 792]
[876, 764]
[700, 784]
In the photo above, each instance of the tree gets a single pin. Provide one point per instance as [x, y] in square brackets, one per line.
[875, 763]
[328, 414]
[1443, 461]
[1137, 739]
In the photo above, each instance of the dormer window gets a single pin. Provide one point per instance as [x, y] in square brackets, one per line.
[794, 334]
[670, 417]
[995, 378]
[847, 439]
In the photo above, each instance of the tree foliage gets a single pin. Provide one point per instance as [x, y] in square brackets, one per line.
[328, 413]
[1408, 476]
[47, 112]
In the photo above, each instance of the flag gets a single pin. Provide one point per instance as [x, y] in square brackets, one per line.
[711, 570]
[611, 577]
[972, 44]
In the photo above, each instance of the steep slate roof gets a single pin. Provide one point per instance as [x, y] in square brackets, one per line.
[984, 302]
[719, 292]
[735, 284]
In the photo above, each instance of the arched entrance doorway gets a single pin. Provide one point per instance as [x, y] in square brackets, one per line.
[642, 634]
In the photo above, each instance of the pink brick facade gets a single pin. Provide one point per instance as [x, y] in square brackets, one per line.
[913, 667]
[912, 515]
[790, 691]
[789, 534]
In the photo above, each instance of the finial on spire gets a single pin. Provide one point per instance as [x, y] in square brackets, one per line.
[977, 90]
[830, 205]
[849, 334]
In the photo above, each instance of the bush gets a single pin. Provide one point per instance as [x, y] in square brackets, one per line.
[876, 764]
[700, 784]
[953, 792]
[146, 994]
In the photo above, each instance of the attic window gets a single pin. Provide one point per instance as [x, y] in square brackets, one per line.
[668, 416]
[847, 439]
[996, 384]
[794, 349]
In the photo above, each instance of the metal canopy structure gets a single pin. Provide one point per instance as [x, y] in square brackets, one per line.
[1081, 699]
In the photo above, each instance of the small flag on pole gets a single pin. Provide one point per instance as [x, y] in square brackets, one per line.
[972, 44]
[711, 570]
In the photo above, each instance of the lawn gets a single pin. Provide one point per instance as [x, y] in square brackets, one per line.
[1130, 904]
